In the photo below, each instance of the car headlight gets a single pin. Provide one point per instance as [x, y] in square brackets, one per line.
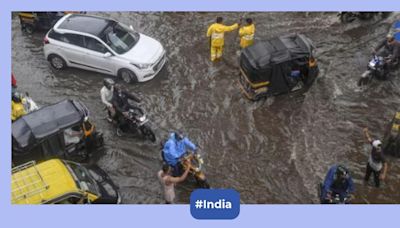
[141, 65]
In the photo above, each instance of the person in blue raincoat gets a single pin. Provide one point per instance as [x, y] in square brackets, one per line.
[174, 149]
[337, 181]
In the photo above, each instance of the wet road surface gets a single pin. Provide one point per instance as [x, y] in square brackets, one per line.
[273, 151]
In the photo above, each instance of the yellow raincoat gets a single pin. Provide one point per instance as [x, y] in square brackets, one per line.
[17, 110]
[246, 35]
[216, 32]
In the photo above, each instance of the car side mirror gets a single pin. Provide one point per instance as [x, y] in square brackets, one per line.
[107, 55]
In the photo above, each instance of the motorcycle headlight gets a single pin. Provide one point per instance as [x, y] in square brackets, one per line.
[141, 65]
[142, 118]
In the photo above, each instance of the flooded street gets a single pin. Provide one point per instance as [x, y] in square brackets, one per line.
[271, 151]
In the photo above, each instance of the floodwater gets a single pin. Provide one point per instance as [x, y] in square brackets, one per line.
[273, 151]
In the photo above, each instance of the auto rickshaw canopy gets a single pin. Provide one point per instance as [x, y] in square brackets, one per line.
[34, 127]
[275, 57]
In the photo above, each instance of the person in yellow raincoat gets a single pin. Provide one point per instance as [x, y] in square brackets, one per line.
[216, 33]
[17, 107]
[246, 33]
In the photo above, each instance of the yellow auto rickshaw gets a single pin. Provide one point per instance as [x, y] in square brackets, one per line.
[33, 21]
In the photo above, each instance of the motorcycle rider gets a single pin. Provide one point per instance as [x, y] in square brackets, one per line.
[389, 49]
[337, 182]
[106, 94]
[120, 102]
[174, 149]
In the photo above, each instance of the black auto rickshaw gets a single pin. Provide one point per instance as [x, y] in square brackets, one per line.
[279, 65]
[391, 141]
[32, 21]
[61, 130]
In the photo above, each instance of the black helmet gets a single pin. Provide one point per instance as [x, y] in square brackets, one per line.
[16, 97]
[118, 87]
[108, 83]
[178, 136]
[341, 172]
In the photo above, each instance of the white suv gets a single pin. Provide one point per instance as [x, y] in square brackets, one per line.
[103, 45]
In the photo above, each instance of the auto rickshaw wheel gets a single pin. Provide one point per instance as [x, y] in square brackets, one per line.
[366, 15]
[258, 97]
[57, 62]
[28, 28]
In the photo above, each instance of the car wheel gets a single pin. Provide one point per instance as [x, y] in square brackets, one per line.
[57, 62]
[127, 76]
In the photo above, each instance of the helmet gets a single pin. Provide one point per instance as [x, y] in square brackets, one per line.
[108, 83]
[377, 144]
[390, 37]
[16, 97]
[178, 136]
[341, 172]
[118, 87]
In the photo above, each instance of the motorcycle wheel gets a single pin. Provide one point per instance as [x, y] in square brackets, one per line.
[347, 17]
[29, 29]
[202, 183]
[381, 74]
[363, 81]
[148, 133]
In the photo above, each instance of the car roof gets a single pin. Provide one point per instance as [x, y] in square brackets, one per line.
[33, 183]
[33, 127]
[84, 24]
[277, 50]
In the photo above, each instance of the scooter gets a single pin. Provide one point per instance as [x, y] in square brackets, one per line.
[196, 168]
[138, 122]
[376, 69]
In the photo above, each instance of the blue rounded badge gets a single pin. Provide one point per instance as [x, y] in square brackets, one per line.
[215, 203]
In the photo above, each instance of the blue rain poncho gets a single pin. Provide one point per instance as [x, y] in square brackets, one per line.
[174, 149]
[347, 188]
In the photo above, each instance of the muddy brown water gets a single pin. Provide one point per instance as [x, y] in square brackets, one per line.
[273, 151]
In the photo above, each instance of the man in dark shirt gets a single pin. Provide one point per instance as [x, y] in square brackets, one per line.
[376, 161]
[389, 49]
[120, 102]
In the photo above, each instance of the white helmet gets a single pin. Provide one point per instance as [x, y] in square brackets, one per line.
[377, 143]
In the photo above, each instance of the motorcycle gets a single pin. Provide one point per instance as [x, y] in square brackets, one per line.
[347, 17]
[137, 121]
[196, 168]
[376, 69]
[337, 200]
[333, 199]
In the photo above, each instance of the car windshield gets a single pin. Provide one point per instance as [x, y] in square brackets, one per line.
[82, 178]
[119, 37]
